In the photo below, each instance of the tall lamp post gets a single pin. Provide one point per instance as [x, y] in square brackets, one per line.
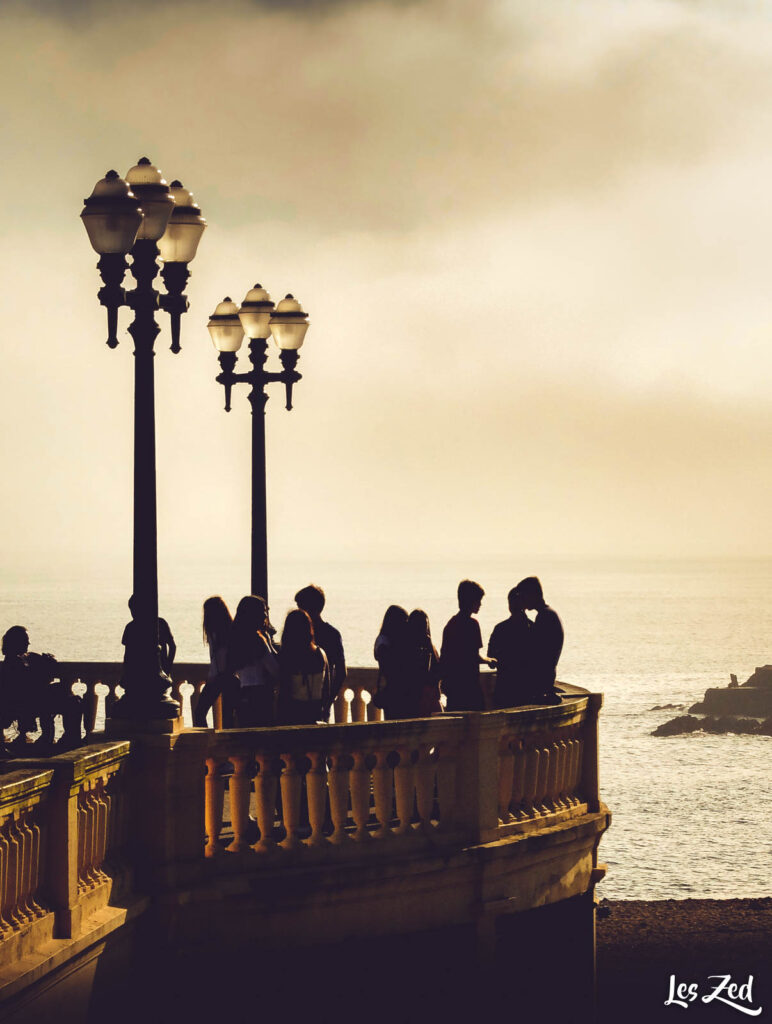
[145, 218]
[258, 319]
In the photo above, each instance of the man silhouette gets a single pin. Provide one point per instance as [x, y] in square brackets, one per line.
[167, 648]
[510, 647]
[311, 599]
[546, 642]
[460, 656]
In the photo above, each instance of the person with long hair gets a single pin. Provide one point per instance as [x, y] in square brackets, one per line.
[390, 652]
[252, 658]
[217, 625]
[304, 673]
[423, 665]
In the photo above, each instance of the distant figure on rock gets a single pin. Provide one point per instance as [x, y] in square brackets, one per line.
[390, 651]
[28, 694]
[167, 648]
[253, 659]
[312, 600]
[304, 675]
[510, 647]
[460, 655]
[220, 682]
[546, 642]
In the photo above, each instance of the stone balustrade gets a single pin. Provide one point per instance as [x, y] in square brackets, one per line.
[24, 825]
[63, 829]
[98, 682]
[327, 786]
[443, 779]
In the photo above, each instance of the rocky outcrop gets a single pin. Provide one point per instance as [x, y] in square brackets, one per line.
[734, 708]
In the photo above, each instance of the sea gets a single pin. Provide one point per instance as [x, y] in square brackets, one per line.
[690, 814]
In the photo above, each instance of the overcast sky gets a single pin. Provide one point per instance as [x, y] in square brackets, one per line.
[534, 239]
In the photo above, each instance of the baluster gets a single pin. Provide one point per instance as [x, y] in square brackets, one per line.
[195, 694]
[542, 780]
[27, 847]
[101, 809]
[15, 915]
[92, 874]
[90, 707]
[374, 713]
[214, 798]
[573, 771]
[550, 796]
[239, 788]
[291, 782]
[405, 791]
[5, 924]
[358, 706]
[37, 854]
[506, 780]
[82, 839]
[520, 758]
[337, 784]
[582, 797]
[6, 927]
[217, 713]
[341, 707]
[265, 799]
[359, 784]
[424, 787]
[562, 775]
[383, 792]
[446, 787]
[111, 699]
[533, 757]
[316, 792]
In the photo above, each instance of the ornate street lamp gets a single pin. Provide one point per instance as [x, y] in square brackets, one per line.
[145, 218]
[258, 319]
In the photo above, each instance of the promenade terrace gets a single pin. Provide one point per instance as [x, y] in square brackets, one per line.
[293, 863]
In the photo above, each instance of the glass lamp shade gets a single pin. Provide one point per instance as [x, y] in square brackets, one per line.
[289, 323]
[148, 185]
[112, 216]
[225, 327]
[179, 242]
[255, 312]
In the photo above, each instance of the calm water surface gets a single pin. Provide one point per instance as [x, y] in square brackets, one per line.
[690, 814]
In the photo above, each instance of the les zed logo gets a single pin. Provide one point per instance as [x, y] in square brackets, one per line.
[724, 991]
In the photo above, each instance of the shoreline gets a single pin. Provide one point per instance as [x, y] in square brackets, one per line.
[642, 943]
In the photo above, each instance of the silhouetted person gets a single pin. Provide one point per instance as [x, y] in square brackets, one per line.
[252, 658]
[423, 667]
[166, 645]
[28, 693]
[510, 647]
[304, 675]
[546, 642]
[390, 651]
[220, 682]
[460, 656]
[311, 599]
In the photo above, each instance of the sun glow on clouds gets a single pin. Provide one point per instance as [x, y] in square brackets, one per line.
[534, 240]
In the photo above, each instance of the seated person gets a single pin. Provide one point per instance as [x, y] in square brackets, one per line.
[28, 693]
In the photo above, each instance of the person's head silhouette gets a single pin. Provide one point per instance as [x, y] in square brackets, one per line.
[311, 599]
[470, 595]
[515, 601]
[531, 593]
[15, 642]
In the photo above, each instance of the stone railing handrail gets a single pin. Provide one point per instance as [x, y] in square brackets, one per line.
[83, 825]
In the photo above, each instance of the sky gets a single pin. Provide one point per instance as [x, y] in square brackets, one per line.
[534, 240]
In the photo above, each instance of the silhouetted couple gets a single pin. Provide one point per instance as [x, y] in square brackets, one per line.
[526, 653]
[408, 665]
[29, 693]
[261, 685]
